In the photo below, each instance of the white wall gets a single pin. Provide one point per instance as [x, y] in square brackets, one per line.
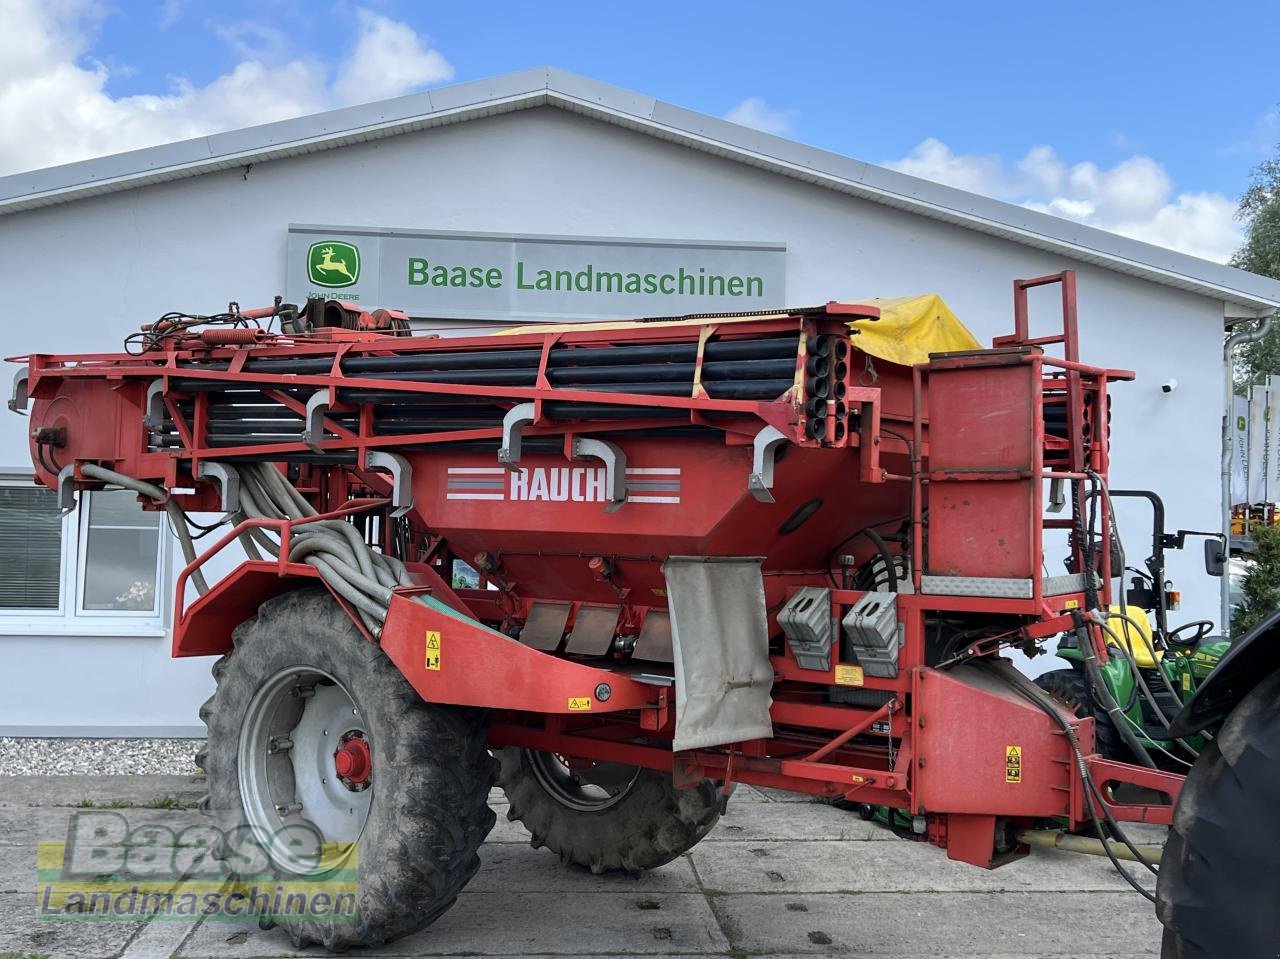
[80, 275]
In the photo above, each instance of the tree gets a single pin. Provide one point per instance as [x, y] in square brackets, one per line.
[1260, 211]
[1261, 586]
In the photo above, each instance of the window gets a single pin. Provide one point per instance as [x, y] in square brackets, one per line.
[119, 554]
[95, 570]
[30, 548]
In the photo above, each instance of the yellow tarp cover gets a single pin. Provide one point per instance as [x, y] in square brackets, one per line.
[909, 329]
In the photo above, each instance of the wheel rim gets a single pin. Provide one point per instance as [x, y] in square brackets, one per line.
[589, 787]
[306, 767]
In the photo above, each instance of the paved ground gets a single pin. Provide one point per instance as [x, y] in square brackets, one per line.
[779, 876]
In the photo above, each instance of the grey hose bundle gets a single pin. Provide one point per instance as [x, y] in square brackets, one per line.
[356, 572]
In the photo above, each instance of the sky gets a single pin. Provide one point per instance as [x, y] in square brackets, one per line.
[1142, 118]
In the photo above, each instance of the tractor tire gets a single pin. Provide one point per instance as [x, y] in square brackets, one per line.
[608, 817]
[1069, 688]
[1216, 894]
[410, 798]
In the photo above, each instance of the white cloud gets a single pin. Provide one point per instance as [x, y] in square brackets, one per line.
[756, 113]
[55, 108]
[389, 58]
[1135, 198]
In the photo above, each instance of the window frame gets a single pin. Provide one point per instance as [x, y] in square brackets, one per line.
[70, 618]
[80, 612]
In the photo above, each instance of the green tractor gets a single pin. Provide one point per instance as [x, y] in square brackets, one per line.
[1152, 669]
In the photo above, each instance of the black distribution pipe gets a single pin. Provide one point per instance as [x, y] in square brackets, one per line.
[724, 363]
[321, 365]
[436, 426]
[748, 389]
[238, 414]
[234, 414]
[522, 377]
[407, 418]
[231, 389]
[739, 389]
[593, 411]
[542, 444]
[657, 372]
[666, 372]
[396, 397]
[749, 369]
[768, 348]
[256, 429]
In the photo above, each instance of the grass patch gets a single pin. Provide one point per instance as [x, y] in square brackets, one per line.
[170, 802]
[159, 802]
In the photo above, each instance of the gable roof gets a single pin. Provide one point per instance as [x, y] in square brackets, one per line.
[549, 87]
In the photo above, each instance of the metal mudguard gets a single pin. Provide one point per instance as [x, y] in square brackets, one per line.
[1251, 659]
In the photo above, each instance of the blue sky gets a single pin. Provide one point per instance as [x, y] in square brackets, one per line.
[1143, 118]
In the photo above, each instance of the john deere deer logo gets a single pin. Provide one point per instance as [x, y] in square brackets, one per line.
[333, 263]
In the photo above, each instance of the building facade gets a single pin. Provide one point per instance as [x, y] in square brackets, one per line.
[507, 180]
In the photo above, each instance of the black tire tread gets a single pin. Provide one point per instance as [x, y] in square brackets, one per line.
[432, 770]
[1071, 685]
[1216, 892]
[653, 824]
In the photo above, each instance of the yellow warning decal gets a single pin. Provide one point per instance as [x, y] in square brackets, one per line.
[433, 649]
[579, 703]
[1013, 764]
[1186, 682]
[848, 675]
[859, 780]
[1071, 604]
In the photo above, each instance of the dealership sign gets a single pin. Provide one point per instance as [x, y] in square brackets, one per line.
[487, 276]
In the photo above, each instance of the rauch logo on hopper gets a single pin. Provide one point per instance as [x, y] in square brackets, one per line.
[333, 263]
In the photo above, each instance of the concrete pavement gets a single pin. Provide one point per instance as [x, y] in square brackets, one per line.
[779, 876]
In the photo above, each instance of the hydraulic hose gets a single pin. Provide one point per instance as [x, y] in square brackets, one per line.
[1109, 704]
[1125, 649]
[177, 518]
[1094, 804]
[360, 575]
[1137, 674]
[1150, 647]
[1084, 540]
[885, 556]
[1140, 683]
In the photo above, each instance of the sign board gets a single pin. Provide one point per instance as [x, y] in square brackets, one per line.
[501, 277]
